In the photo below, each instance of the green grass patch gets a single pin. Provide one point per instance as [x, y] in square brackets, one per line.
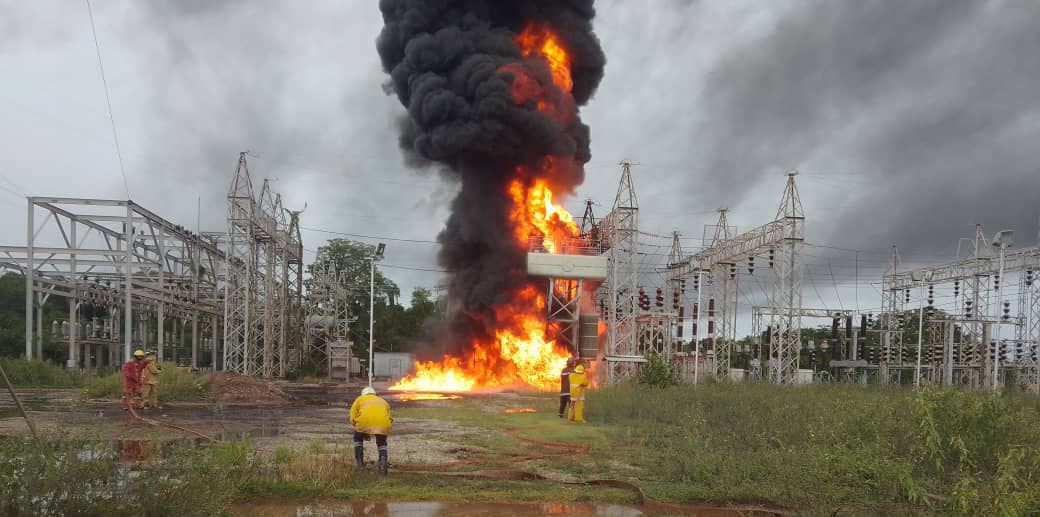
[829, 446]
[36, 373]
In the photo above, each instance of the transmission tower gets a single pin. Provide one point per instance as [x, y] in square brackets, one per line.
[623, 227]
[240, 296]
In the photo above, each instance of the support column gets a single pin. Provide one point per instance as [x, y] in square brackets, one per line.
[29, 269]
[128, 313]
[39, 325]
[73, 331]
[195, 339]
[213, 335]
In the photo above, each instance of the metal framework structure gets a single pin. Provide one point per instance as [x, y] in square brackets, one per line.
[263, 297]
[128, 272]
[328, 314]
[782, 240]
[620, 232]
[966, 347]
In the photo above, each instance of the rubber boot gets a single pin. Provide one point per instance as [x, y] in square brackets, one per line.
[359, 454]
[384, 461]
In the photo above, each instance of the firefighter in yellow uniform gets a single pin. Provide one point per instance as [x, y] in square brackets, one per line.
[370, 416]
[579, 385]
[150, 382]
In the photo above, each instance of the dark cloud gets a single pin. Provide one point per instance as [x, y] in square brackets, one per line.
[930, 105]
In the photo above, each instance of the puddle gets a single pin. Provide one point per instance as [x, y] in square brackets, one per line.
[436, 509]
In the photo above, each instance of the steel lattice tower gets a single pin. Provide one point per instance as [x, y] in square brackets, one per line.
[785, 340]
[240, 288]
[622, 345]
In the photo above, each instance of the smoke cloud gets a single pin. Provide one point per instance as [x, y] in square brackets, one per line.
[472, 99]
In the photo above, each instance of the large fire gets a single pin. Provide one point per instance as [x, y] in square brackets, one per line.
[521, 354]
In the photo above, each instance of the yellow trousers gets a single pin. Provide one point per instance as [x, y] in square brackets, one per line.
[150, 395]
[576, 411]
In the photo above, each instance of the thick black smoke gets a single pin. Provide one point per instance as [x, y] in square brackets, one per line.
[452, 64]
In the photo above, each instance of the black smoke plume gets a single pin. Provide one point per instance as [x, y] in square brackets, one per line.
[452, 64]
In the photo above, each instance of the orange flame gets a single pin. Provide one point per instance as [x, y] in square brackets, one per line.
[538, 39]
[520, 354]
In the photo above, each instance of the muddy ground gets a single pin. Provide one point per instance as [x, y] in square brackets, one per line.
[313, 413]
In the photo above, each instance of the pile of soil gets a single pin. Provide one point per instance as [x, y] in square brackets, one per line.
[234, 388]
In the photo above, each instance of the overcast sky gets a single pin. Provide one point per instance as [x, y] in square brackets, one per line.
[909, 121]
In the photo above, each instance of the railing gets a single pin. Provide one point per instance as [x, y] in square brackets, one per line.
[565, 246]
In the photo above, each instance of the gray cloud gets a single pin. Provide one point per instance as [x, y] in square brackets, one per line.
[911, 120]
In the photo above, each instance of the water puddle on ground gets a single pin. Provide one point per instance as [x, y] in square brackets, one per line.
[436, 509]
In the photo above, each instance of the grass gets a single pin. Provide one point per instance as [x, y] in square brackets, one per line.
[830, 446]
[35, 480]
[36, 373]
[175, 384]
[820, 449]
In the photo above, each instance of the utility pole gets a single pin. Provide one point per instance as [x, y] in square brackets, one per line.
[372, 308]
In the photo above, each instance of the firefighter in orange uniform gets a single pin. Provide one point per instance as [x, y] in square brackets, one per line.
[370, 416]
[579, 386]
[132, 381]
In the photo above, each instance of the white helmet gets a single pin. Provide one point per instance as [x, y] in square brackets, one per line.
[368, 391]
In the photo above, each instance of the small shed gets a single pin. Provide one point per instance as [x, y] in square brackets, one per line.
[392, 365]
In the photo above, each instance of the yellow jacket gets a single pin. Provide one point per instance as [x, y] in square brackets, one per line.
[150, 373]
[579, 385]
[371, 415]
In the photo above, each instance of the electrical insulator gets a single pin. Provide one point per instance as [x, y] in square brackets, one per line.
[660, 297]
[863, 322]
[902, 319]
[1003, 352]
[675, 300]
[1029, 278]
[682, 286]
[956, 288]
[906, 295]
[1007, 311]
[697, 282]
[996, 281]
[696, 309]
[967, 309]
[751, 265]
[732, 271]
[770, 258]
[870, 319]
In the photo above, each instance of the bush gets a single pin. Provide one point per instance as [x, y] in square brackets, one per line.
[41, 374]
[658, 373]
[175, 384]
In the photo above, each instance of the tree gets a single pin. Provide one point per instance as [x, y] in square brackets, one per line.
[351, 258]
[12, 319]
[396, 327]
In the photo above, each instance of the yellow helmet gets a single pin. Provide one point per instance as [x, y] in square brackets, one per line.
[138, 353]
[579, 369]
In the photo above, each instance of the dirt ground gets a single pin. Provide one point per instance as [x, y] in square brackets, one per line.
[304, 414]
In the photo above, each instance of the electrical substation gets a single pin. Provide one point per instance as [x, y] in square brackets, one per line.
[237, 299]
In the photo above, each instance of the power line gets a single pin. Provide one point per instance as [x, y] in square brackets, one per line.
[376, 237]
[108, 100]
